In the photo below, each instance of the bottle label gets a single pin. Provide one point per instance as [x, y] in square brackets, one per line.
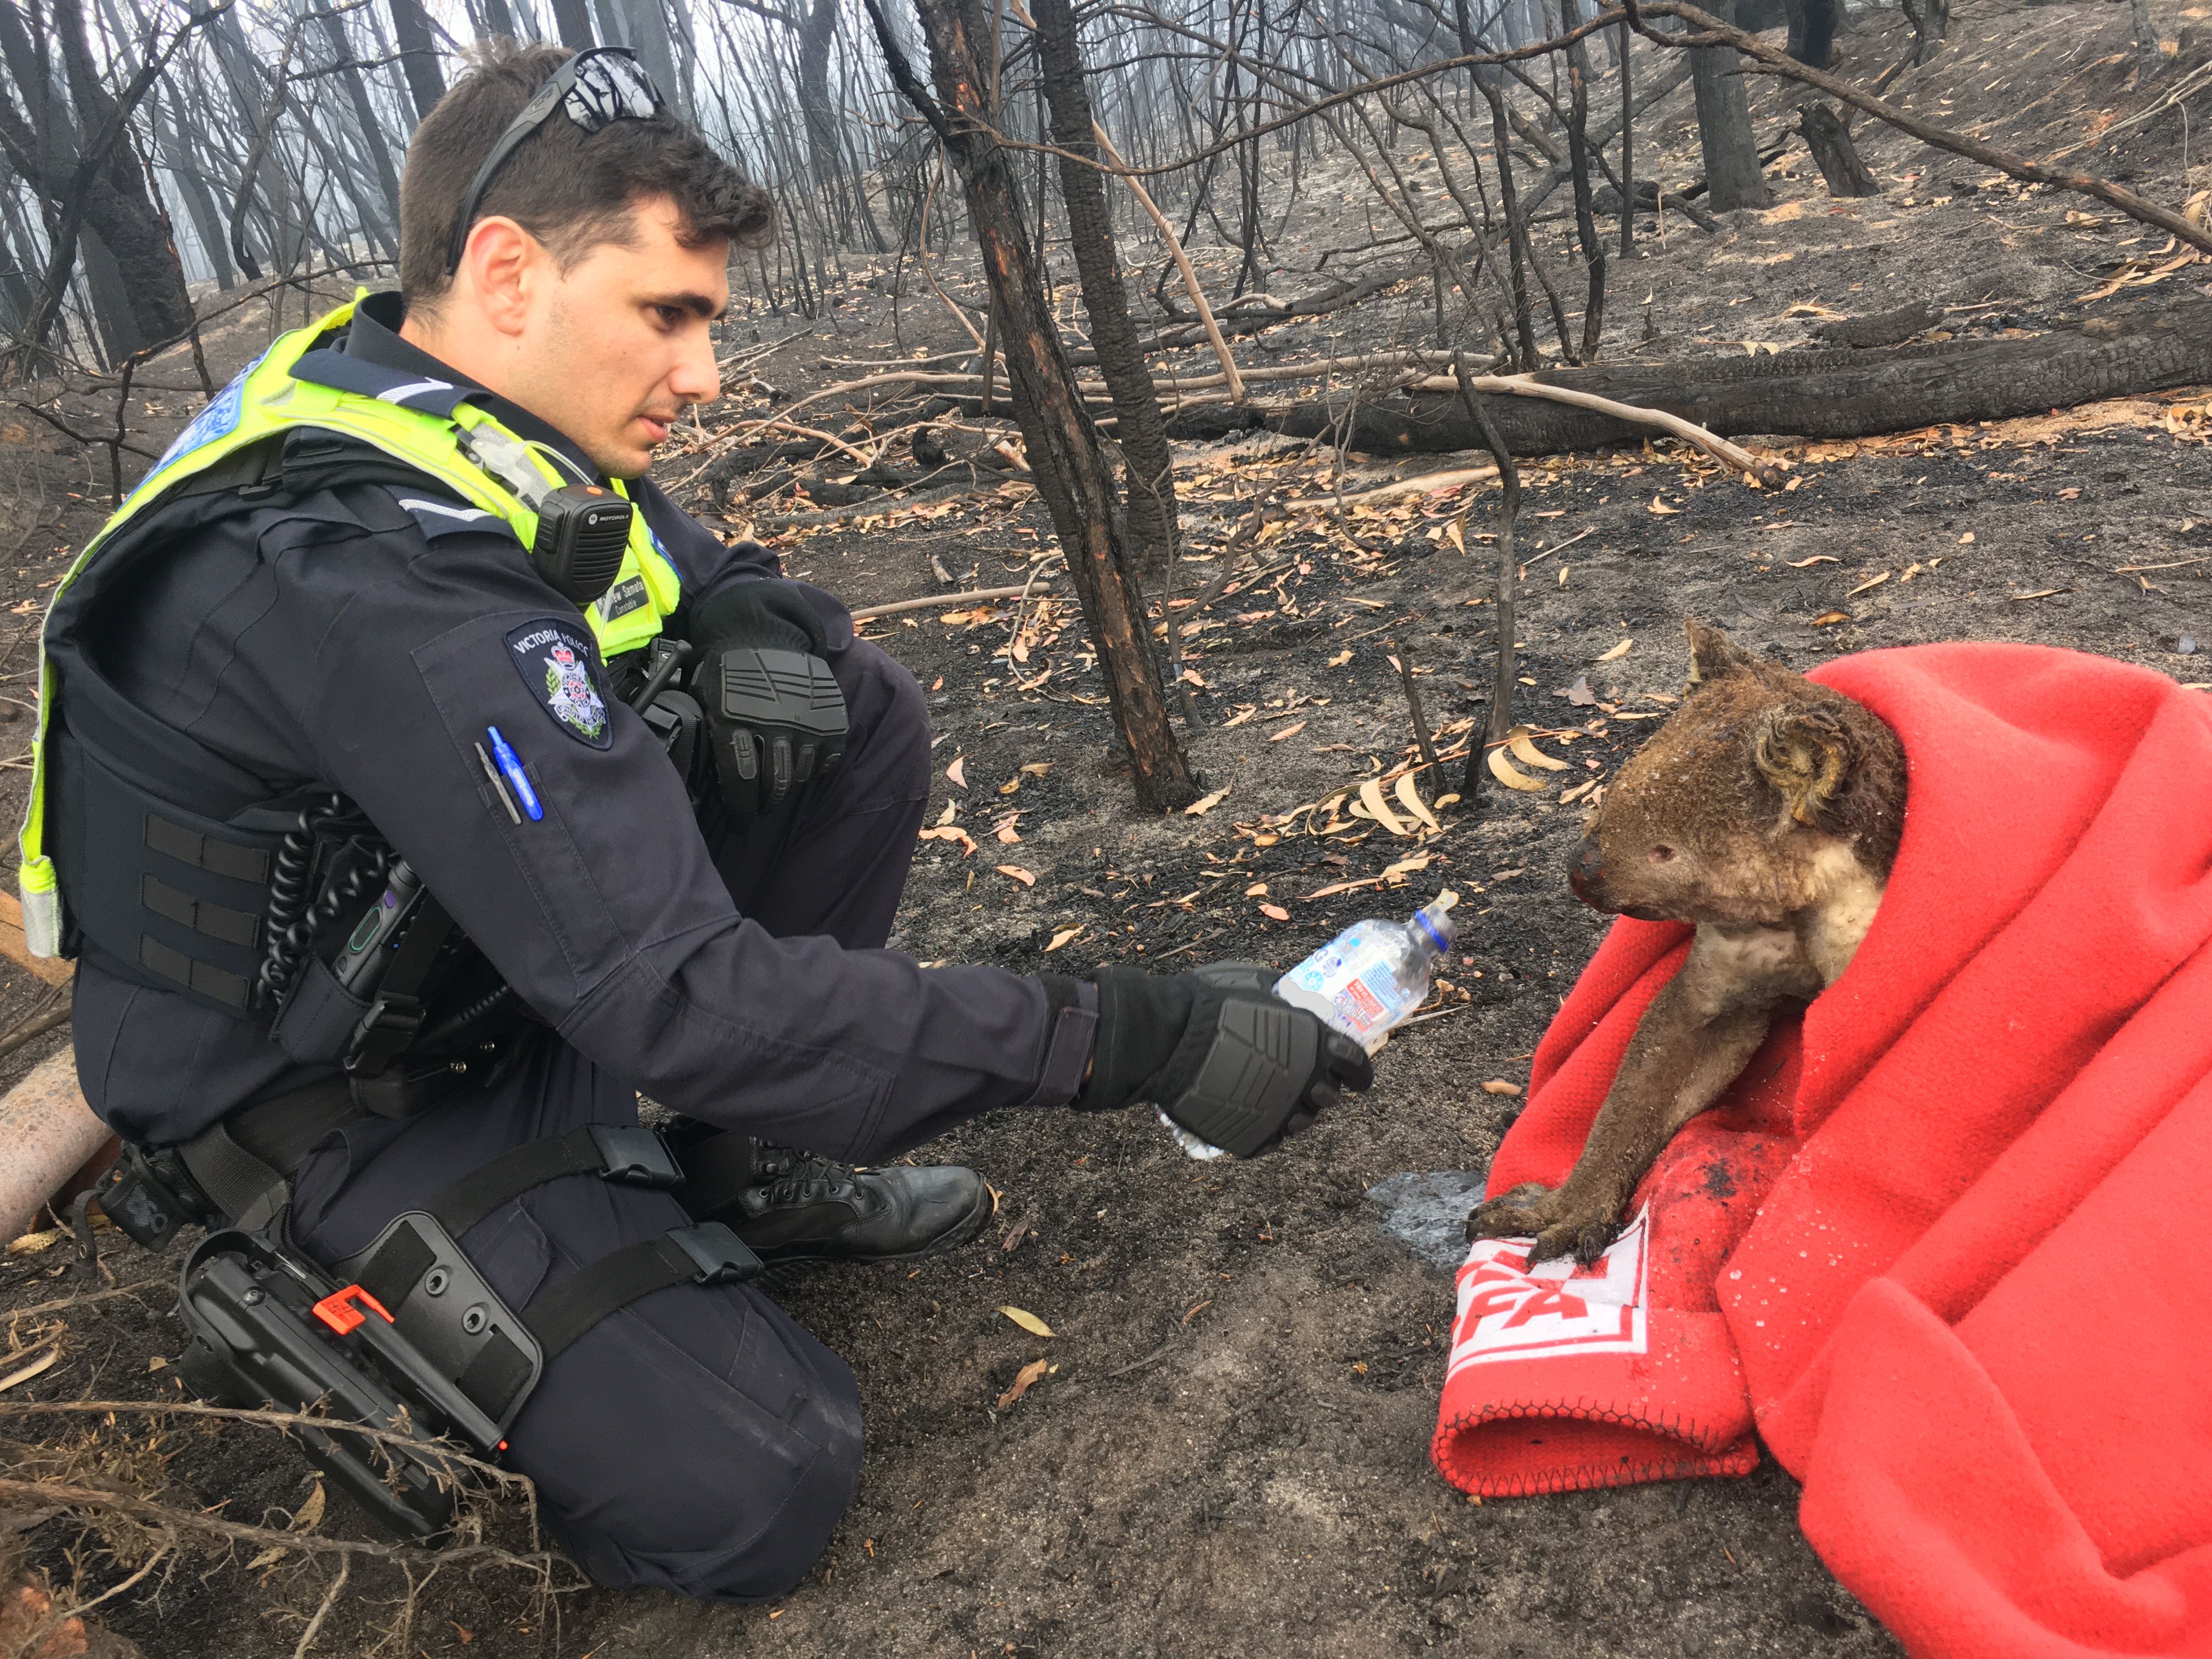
[1363, 992]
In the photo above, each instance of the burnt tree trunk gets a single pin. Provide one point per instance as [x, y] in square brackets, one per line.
[1138, 425]
[2148, 346]
[371, 131]
[410, 24]
[574, 21]
[1734, 178]
[1070, 470]
[817, 29]
[77, 157]
[1520, 255]
[1578, 164]
[1830, 141]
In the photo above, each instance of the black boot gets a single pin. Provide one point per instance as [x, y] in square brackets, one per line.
[795, 1207]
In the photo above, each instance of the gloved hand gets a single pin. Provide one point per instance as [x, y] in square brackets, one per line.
[773, 709]
[1218, 1053]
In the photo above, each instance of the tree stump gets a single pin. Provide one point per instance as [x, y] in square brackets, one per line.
[1830, 141]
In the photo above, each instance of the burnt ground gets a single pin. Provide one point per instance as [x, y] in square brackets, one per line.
[1230, 1455]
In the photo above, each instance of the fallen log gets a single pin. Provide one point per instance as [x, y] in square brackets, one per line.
[46, 1133]
[2147, 347]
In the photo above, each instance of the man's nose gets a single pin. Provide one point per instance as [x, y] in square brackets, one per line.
[698, 378]
[1587, 876]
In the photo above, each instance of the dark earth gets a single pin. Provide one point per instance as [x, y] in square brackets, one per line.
[1228, 1456]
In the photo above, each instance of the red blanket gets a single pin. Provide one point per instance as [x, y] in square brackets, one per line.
[1944, 1245]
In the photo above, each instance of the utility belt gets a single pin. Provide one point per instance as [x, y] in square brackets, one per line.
[407, 1337]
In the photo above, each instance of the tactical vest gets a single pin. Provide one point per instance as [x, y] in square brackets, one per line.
[143, 848]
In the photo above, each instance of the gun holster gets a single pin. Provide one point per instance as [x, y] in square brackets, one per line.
[270, 1328]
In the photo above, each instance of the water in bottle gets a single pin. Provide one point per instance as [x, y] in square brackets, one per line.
[1364, 982]
[1373, 974]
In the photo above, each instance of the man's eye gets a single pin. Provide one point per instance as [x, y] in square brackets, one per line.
[670, 315]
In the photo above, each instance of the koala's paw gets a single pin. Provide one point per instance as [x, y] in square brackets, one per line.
[1524, 1212]
[1584, 1240]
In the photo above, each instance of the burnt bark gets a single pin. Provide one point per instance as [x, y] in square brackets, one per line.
[816, 30]
[1734, 178]
[410, 26]
[77, 156]
[2148, 347]
[1837, 157]
[1578, 162]
[1062, 443]
[1138, 427]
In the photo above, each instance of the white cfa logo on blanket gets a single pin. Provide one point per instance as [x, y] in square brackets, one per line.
[1508, 1310]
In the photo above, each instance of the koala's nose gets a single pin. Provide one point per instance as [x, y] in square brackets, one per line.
[1587, 876]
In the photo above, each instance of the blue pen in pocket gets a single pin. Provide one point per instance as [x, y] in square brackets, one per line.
[510, 764]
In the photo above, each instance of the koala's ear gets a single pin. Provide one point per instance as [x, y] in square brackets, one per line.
[1807, 754]
[1713, 654]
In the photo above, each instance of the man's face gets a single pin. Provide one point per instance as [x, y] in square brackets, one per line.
[613, 351]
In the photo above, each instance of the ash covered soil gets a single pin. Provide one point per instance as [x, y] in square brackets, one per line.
[1228, 1455]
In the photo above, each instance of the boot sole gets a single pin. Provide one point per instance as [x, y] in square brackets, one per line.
[961, 1232]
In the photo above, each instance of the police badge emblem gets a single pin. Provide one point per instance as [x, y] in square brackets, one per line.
[559, 666]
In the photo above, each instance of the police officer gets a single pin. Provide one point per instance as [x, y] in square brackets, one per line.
[364, 646]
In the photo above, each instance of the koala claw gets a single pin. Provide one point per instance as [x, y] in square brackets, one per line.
[1534, 1210]
[1585, 1241]
[1521, 1214]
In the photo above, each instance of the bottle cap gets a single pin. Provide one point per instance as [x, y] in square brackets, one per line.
[1435, 920]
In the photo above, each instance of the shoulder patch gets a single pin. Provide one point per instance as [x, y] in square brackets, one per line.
[559, 663]
[435, 517]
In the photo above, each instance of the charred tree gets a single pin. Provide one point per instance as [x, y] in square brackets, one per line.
[1734, 178]
[574, 20]
[1837, 157]
[349, 76]
[418, 54]
[76, 153]
[1064, 454]
[1578, 163]
[1138, 425]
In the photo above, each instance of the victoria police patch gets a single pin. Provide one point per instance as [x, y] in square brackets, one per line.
[558, 663]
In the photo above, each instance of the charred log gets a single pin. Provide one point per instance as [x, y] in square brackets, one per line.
[1812, 394]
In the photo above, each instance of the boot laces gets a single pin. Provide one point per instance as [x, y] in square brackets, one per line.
[787, 1176]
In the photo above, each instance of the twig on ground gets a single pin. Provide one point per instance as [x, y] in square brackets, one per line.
[930, 602]
[330, 1600]
[267, 1418]
[48, 1493]
[1561, 547]
[37, 1026]
[883, 503]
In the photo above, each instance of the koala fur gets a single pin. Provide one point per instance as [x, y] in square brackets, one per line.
[1766, 811]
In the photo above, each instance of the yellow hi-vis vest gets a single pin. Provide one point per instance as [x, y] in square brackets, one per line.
[420, 423]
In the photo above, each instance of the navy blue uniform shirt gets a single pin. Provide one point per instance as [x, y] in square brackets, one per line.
[336, 635]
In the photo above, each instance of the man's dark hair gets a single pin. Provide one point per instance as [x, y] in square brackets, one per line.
[571, 191]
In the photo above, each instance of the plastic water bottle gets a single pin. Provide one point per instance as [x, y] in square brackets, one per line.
[1373, 974]
[1364, 982]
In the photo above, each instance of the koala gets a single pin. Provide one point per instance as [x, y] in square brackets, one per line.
[1767, 813]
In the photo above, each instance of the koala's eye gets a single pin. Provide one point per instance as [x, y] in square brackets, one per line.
[1662, 855]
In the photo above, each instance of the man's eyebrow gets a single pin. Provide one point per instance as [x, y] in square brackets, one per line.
[698, 305]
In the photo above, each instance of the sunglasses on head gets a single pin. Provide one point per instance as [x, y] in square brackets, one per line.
[593, 89]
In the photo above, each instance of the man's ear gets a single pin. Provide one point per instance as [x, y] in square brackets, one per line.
[1807, 754]
[1713, 654]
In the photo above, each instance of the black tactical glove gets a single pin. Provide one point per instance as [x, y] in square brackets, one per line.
[1218, 1053]
[773, 709]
